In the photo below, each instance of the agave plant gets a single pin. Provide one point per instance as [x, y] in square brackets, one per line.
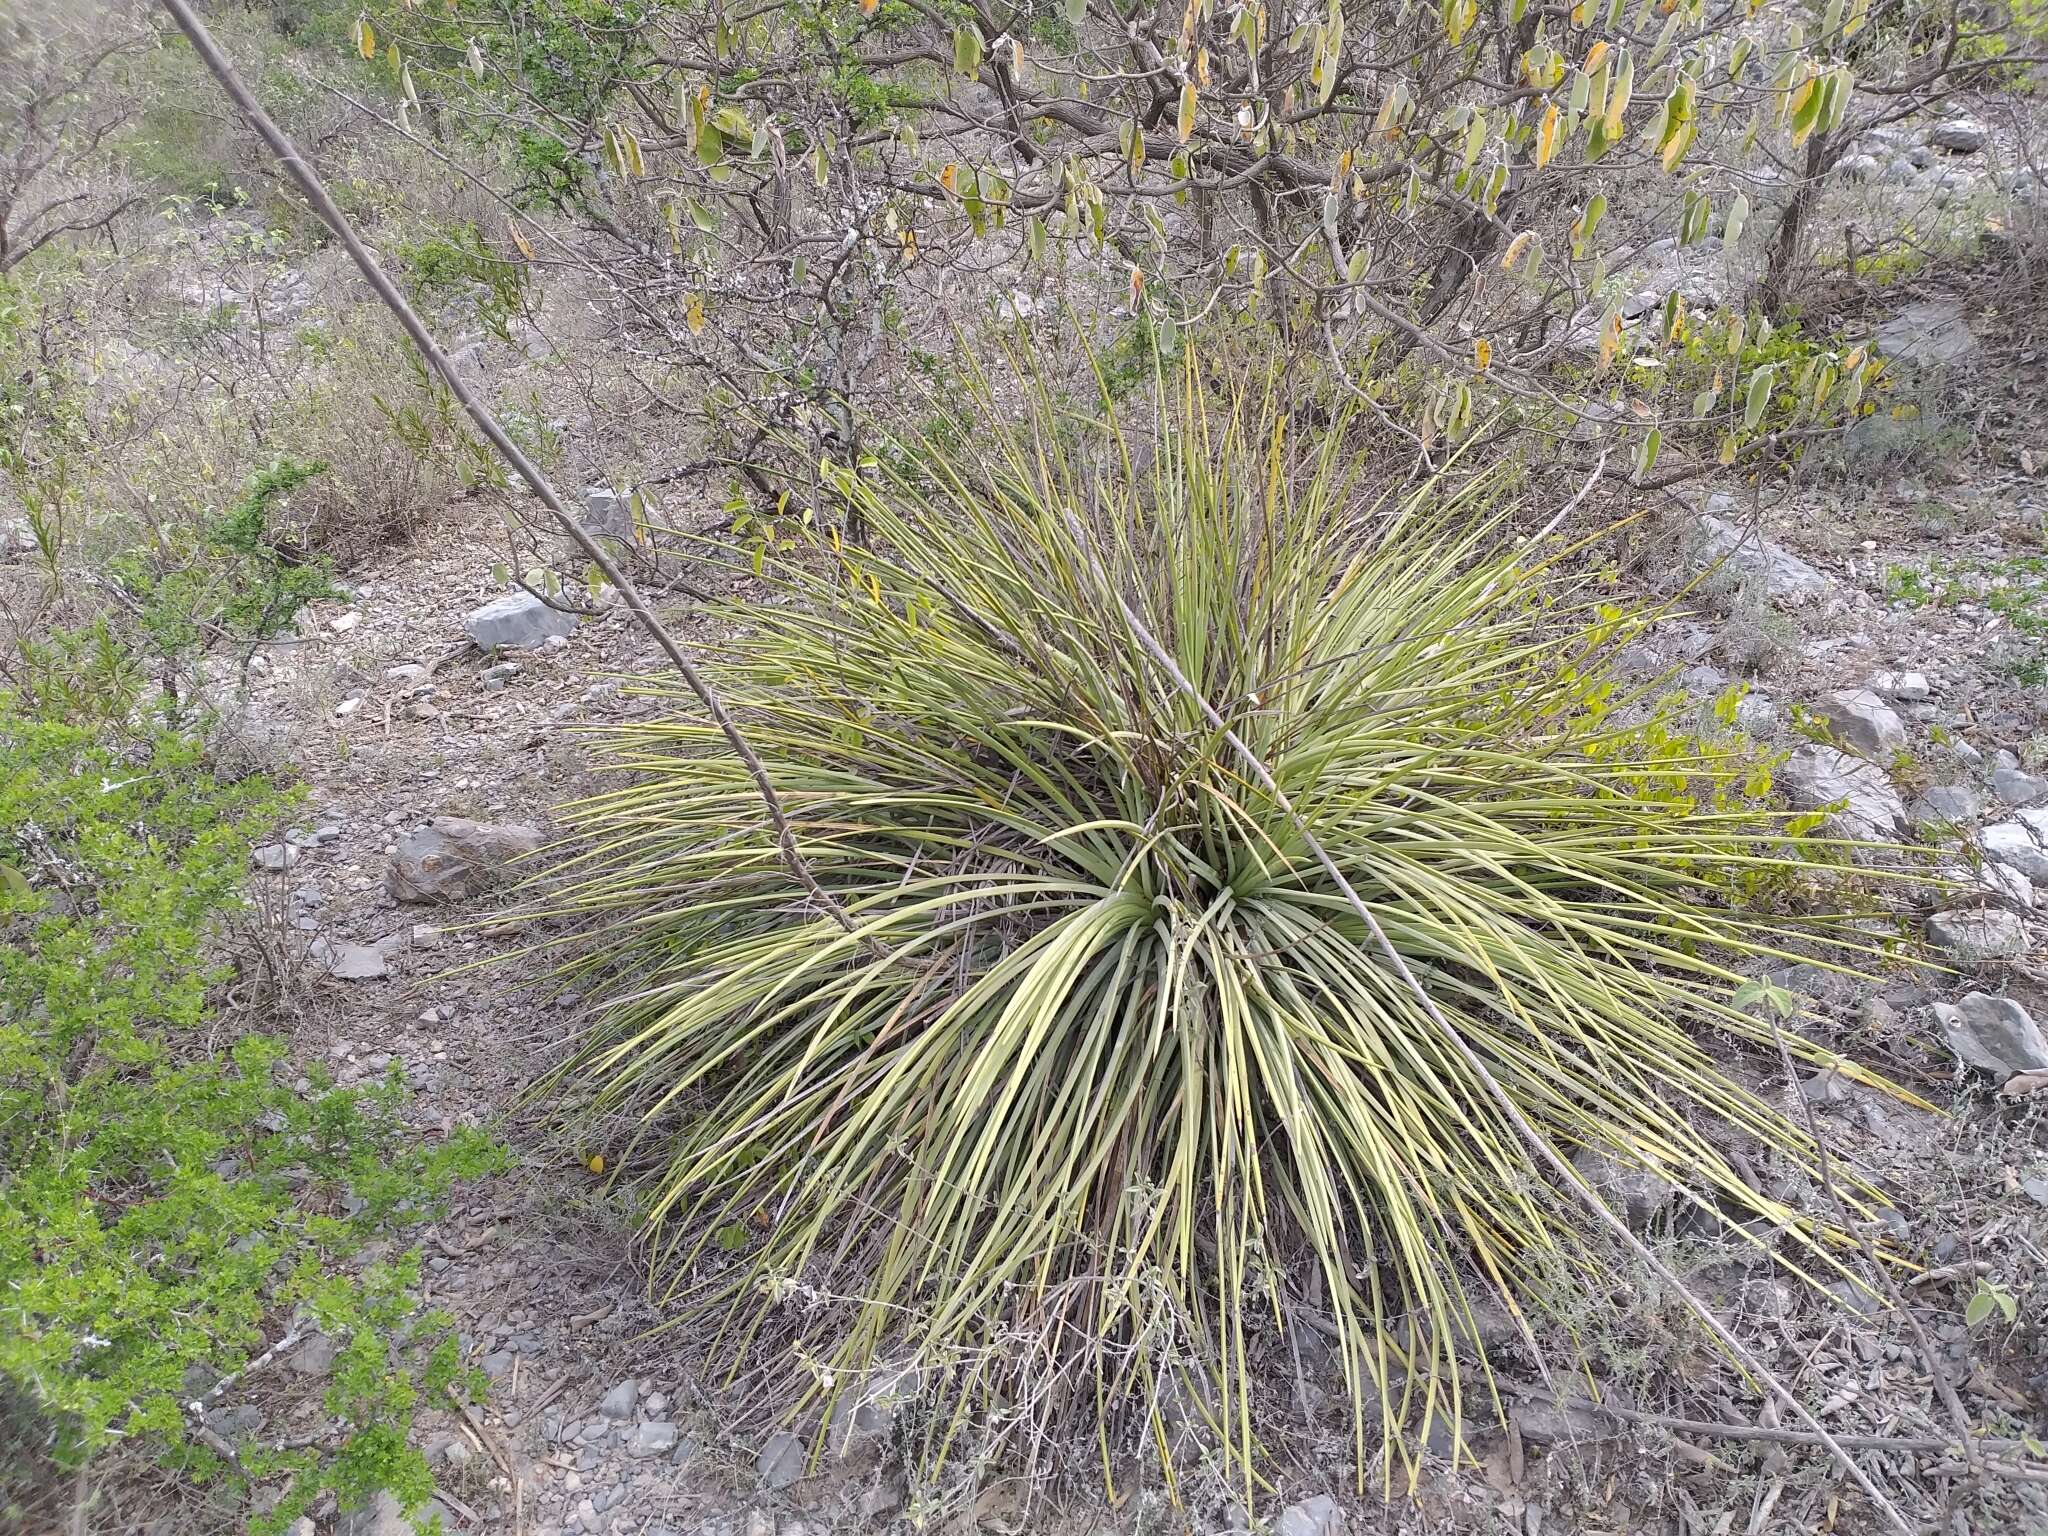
[1100, 1075]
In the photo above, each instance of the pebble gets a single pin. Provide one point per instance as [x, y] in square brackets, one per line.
[619, 1402]
[347, 707]
[342, 623]
[656, 1437]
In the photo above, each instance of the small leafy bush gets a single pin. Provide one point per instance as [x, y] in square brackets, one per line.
[170, 1206]
[1108, 1080]
[233, 581]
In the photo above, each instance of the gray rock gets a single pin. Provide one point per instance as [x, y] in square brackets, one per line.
[1858, 168]
[2014, 845]
[315, 1357]
[884, 1497]
[1992, 1034]
[1911, 688]
[516, 621]
[1783, 575]
[348, 962]
[607, 513]
[618, 1404]
[1317, 1516]
[653, 1439]
[1858, 719]
[1634, 1194]
[1971, 938]
[1816, 776]
[385, 1516]
[452, 858]
[1563, 1423]
[1932, 333]
[1958, 135]
[273, 858]
[1987, 882]
[781, 1461]
[2014, 785]
[1952, 805]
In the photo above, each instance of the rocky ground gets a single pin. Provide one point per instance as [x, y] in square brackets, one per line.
[1910, 711]
[1889, 616]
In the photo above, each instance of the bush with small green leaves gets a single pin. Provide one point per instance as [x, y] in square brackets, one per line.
[170, 1205]
[1103, 1078]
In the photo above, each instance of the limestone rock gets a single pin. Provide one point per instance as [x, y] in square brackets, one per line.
[1318, 1516]
[452, 858]
[516, 621]
[1932, 333]
[1863, 722]
[2014, 845]
[1782, 574]
[781, 1461]
[1946, 805]
[1971, 938]
[1958, 135]
[1817, 776]
[1993, 1034]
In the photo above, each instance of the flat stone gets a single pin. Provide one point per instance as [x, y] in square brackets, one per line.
[1782, 574]
[1958, 135]
[1971, 938]
[2015, 786]
[2014, 845]
[452, 858]
[653, 1439]
[1816, 776]
[781, 1461]
[1950, 805]
[348, 962]
[1912, 688]
[1565, 1423]
[1317, 1516]
[1861, 721]
[1992, 1034]
[1987, 882]
[315, 1356]
[618, 1403]
[1932, 333]
[274, 858]
[516, 621]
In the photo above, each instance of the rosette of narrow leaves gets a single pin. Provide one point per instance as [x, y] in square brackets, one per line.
[1107, 1086]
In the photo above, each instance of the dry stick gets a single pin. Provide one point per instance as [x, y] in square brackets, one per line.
[1709, 1429]
[316, 193]
[1543, 1151]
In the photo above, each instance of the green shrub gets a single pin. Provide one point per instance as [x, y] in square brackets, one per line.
[169, 1205]
[1107, 1074]
[233, 581]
